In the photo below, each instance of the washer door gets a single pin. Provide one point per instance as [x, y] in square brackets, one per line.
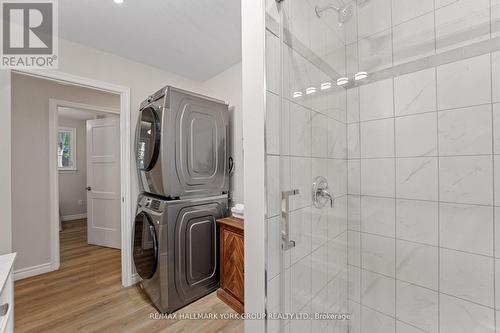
[145, 246]
[148, 139]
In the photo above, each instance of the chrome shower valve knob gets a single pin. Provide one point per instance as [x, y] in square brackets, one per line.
[320, 194]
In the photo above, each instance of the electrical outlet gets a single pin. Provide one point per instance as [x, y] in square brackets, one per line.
[80, 202]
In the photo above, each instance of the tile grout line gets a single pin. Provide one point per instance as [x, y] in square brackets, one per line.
[415, 156]
[423, 244]
[360, 184]
[310, 251]
[463, 107]
[347, 181]
[282, 269]
[434, 10]
[420, 200]
[347, 189]
[423, 287]
[420, 329]
[360, 216]
[398, 320]
[495, 313]
[395, 168]
[438, 183]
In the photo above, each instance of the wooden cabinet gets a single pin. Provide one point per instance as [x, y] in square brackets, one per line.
[232, 267]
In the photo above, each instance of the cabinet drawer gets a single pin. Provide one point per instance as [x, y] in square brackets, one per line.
[6, 297]
[232, 267]
[232, 261]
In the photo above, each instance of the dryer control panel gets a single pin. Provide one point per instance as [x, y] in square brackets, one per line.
[152, 204]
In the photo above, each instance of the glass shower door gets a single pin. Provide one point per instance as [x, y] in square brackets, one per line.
[305, 154]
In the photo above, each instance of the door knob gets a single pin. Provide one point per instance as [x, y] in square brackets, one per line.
[88, 188]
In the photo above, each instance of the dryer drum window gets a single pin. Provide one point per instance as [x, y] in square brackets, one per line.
[148, 143]
[145, 246]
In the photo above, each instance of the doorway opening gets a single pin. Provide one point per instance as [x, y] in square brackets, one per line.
[88, 165]
[85, 164]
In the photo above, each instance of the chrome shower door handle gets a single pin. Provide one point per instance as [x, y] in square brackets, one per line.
[285, 219]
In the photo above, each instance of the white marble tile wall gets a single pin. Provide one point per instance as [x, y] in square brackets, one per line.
[306, 137]
[423, 239]
[386, 33]
[424, 170]
[416, 156]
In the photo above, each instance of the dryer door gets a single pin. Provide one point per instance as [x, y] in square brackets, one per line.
[148, 139]
[145, 251]
[200, 144]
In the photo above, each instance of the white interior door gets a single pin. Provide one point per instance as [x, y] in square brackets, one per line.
[103, 182]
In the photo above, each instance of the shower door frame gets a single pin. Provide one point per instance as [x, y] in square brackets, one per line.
[254, 107]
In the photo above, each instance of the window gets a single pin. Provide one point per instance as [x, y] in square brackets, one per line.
[66, 149]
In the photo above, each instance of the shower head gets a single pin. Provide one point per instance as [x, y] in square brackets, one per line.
[344, 11]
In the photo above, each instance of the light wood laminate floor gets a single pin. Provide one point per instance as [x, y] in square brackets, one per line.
[86, 295]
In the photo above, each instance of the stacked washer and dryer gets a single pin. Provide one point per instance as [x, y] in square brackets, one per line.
[182, 160]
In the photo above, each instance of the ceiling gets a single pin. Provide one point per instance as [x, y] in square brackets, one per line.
[77, 114]
[193, 38]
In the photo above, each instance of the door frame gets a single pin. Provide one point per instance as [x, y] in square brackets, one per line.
[253, 30]
[125, 160]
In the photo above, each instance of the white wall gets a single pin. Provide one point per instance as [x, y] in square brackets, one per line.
[30, 161]
[227, 86]
[72, 183]
[5, 169]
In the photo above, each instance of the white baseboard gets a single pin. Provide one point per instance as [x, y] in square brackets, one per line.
[27, 272]
[73, 217]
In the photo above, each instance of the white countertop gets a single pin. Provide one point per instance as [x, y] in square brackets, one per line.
[6, 263]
